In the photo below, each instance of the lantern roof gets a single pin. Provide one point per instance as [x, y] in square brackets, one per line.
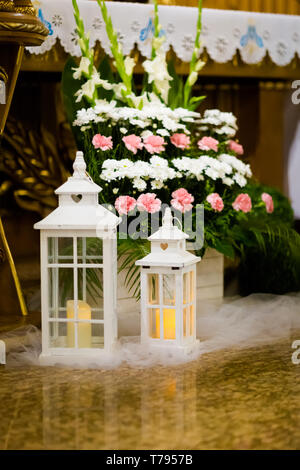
[78, 207]
[168, 247]
[80, 182]
[168, 231]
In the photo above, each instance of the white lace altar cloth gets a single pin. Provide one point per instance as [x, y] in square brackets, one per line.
[224, 31]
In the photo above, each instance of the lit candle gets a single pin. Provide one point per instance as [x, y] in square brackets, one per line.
[84, 329]
[169, 323]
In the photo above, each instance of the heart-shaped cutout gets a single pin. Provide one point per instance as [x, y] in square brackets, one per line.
[76, 198]
[164, 246]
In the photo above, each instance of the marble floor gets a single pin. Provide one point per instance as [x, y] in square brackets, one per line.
[233, 399]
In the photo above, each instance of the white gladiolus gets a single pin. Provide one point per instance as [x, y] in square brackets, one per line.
[82, 69]
[199, 65]
[158, 42]
[157, 68]
[129, 65]
[193, 77]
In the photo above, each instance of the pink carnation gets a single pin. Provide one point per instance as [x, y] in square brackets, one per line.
[133, 143]
[125, 204]
[154, 144]
[243, 203]
[235, 147]
[216, 202]
[102, 142]
[149, 203]
[182, 200]
[208, 143]
[181, 141]
[268, 200]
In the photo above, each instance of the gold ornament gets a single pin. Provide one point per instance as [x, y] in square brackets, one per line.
[25, 7]
[35, 165]
[7, 5]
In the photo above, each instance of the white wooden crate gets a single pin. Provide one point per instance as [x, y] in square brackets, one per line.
[210, 292]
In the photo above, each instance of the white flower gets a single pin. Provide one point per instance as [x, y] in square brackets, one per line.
[109, 175]
[123, 130]
[158, 42]
[129, 65]
[163, 88]
[193, 77]
[158, 162]
[115, 190]
[240, 180]
[139, 184]
[117, 89]
[138, 123]
[156, 184]
[228, 181]
[199, 65]
[146, 134]
[88, 88]
[157, 68]
[163, 132]
[82, 69]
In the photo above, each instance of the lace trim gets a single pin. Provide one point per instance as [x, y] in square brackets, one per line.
[224, 31]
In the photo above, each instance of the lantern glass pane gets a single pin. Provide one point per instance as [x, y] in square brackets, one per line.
[169, 289]
[186, 293]
[153, 289]
[90, 250]
[192, 286]
[191, 320]
[60, 250]
[169, 316]
[185, 322]
[61, 335]
[90, 290]
[97, 336]
[154, 322]
[60, 290]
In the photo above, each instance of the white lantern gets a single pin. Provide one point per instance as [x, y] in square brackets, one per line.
[168, 290]
[78, 273]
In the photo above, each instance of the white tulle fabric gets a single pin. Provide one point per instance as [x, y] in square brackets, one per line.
[240, 323]
[224, 32]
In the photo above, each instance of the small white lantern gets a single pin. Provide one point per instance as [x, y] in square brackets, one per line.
[168, 290]
[78, 274]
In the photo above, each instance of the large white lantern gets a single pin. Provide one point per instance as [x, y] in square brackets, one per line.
[78, 274]
[168, 290]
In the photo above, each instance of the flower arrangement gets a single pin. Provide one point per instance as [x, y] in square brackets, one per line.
[154, 147]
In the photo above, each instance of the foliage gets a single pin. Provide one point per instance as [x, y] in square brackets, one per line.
[105, 110]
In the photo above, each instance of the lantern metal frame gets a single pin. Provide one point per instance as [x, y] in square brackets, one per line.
[79, 217]
[177, 321]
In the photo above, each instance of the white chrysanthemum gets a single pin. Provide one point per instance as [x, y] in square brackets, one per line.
[139, 184]
[228, 181]
[109, 175]
[240, 180]
[157, 184]
[146, 134]
[158, 162]
[163, 132]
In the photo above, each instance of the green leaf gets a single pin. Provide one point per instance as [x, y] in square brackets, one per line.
[175, 99]
[225, 248]
[69, 87]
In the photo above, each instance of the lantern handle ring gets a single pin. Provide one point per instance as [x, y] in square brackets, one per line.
[180, 223]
